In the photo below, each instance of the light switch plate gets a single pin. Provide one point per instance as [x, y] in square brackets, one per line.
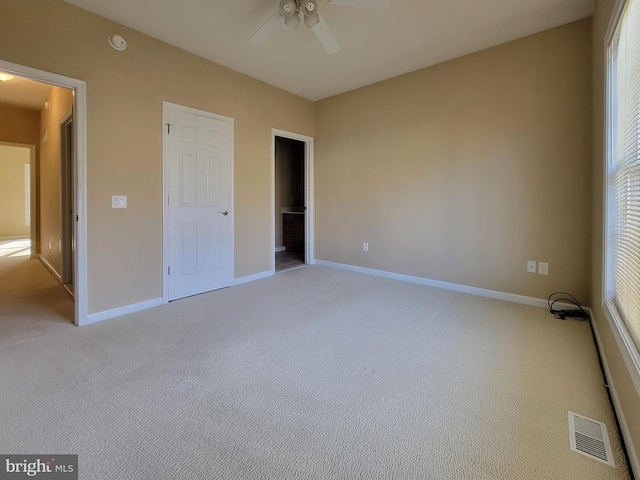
[118, 201]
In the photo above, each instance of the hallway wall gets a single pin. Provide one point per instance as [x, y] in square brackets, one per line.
[60, 100]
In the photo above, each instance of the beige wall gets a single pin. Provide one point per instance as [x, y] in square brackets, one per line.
[12, 191]
[60, 101]
[463, 171]
[620, 374]
[19, 125]
[125, 91]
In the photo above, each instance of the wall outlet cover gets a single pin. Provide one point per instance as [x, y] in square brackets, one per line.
[543, 268]
[531, 266]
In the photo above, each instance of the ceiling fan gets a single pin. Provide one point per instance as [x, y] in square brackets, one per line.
[295, 11]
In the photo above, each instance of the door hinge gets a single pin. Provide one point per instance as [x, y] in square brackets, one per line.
[168, 200]
[168, 270]
[168, 128]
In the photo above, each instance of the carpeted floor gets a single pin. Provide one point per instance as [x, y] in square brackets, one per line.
[314, 373]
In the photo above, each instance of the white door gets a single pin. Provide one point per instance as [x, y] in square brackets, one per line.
[199, 171]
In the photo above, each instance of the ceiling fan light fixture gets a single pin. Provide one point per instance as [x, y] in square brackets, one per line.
[288, 8]
[5, 77]
[311, 20]
[309, 7]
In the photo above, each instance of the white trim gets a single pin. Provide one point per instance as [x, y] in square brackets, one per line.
[618, 8]
[64, 185]
[137, 307]
[50, 268]
[626, 345]
[280, 249]
[622, 421]
[118, 312]
[253, 278]
[482, 292]
[166, 106]
[309, 248]
[80, 108]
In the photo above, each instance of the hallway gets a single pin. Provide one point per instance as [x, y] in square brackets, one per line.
[31, 299]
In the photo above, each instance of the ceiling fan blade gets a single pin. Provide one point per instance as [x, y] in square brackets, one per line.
[267, 29]
[324, 34]
[381, 4]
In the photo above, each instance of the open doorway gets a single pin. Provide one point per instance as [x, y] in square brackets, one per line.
[56, 124]
[292, 236]
[290, 204]
[16, 204]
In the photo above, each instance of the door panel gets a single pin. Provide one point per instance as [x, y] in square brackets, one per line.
[200, 235]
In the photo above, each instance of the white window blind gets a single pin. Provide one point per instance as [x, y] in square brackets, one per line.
[624, 171]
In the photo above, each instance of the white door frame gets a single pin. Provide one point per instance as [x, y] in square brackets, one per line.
[79, 88]
[165, 185]
[309, 250]
[66, 183]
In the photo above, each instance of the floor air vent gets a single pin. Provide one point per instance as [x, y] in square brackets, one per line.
[589, 437]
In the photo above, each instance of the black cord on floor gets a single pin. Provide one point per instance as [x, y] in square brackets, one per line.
[579, 314]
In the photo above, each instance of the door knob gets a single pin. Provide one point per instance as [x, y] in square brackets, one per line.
[225, 213]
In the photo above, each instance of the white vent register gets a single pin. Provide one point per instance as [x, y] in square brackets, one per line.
[590, 438]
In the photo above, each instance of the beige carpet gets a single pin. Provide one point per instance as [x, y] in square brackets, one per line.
[314, 373]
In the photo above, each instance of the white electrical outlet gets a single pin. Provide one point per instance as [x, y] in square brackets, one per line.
[50, 245]
[531, 266]
[543, 268]
[365, 246]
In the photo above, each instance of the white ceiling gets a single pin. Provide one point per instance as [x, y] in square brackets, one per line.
[376, 44]
[24, 93]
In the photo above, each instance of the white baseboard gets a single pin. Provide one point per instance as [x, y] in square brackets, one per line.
[622, 421]
[280, 249]
[50, 268]
[251, 278]
[19, 237]
[136, 307]
[119, 311]
[482, 292]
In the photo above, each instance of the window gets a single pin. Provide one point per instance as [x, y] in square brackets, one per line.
[27, 194]
[623, 177]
